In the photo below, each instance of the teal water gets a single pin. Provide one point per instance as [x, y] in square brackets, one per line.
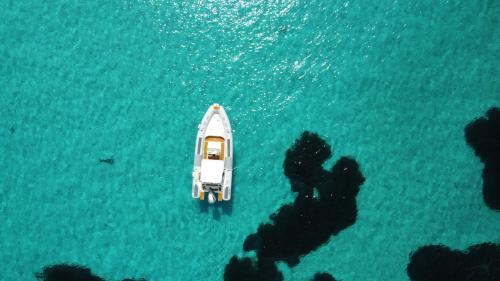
[390, 83]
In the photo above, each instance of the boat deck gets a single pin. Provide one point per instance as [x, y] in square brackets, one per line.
[213, 139]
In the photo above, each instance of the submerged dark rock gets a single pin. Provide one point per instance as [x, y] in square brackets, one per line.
[439, 263]
[247, 269]
[304, 160]
[483, 135]
[67, 272]
[252, 242]
[71, 272]
[300, 227]
[323, 277]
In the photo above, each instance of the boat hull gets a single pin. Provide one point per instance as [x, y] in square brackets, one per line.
[213, 178]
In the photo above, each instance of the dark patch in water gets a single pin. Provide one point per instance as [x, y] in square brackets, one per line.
[12, 130]
[71, 272]
[298, 228]
[246, 269]
[110, 161]
[67, 272]
[483, 135]
[323, 277]
[439, 263]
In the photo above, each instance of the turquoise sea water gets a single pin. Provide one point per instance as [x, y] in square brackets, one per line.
[390, 83]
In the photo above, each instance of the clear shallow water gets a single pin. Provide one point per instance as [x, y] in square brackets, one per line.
[392, 84]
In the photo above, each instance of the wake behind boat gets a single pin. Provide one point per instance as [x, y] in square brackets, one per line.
[213, 157]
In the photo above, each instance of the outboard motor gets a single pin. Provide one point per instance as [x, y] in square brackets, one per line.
[211, 197]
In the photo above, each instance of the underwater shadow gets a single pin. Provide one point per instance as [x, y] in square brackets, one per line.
[299, 227]
[438, 262]
[71, 272]
[483, 135]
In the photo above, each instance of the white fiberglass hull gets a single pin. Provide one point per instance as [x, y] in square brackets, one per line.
[213, 157]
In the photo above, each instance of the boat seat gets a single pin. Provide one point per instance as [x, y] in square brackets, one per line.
[213, 148]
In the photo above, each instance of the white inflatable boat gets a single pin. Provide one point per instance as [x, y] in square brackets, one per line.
[213, 157]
